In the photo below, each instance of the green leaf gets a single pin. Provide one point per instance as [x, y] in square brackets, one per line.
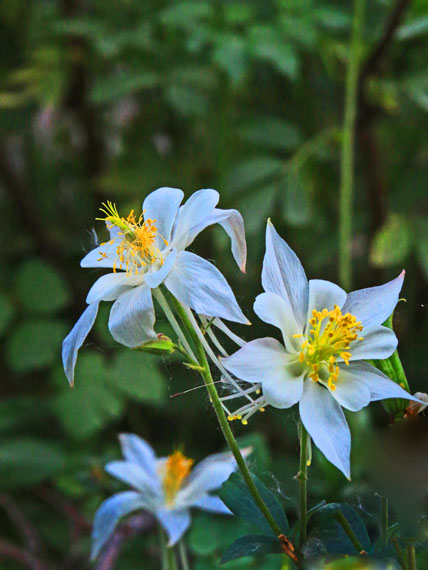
[110, 88]
[6, 313]
[253, 171]
[392, 242]
[421, 232]
[269, 44]
[209, 534]
[413, 29]
[17, 412]
[251, 545]
[235, 495]
[40, 288]
[25, 462]
[35, 344]
[271, 133]
[296, 197]
[324, 527]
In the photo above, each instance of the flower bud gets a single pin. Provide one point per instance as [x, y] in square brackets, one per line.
[162, 345]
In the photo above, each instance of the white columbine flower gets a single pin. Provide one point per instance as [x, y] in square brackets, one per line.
[166, 487]
[328, 335]
[149, 249]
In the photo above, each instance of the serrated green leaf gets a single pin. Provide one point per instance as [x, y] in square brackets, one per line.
[27, 461]
[235, 495]
[35, 344]
[40, 288]
[251, 545]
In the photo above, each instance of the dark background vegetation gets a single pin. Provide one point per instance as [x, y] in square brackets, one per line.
[110, 100]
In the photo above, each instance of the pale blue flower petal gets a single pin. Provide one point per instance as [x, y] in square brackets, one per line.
[109, 287]
[325, 422]
[74, 340]
[155, 278]
[256, 359]
[374, 305]
[212, 504]
[233, 224]
[277, 311]
[162, 205]
[132, 317]
[283, 386]
[378, 342]
[136, 477]
[101, 256]
[324, 295]
[284, 275]
[175, 523]
[351, 389]
[199, 285]
[137, 450]
[196, 209]
[109, 514]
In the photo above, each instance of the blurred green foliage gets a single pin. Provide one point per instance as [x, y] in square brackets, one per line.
[104, 100]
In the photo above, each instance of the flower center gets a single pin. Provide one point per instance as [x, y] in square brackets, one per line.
[176, 470]
[331, 336]
[135, 242]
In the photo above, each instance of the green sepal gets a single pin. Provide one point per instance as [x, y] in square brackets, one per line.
[162, 345]
[250, 545]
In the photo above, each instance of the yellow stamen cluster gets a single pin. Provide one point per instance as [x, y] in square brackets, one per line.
[135, 242]
[331, 336]
[176, 470]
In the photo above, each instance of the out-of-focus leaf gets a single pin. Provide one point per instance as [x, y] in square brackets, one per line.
[235, 495]
[251, 545]
[296, 205]
[270, 45]
[186, 14]
[209, 534]
[260, 457]
[413, 29]
[421, 240]
[231, 56]
[110, 88]
[17, 412]
[25, 462]
[392, 242]
[40, 288]
[35, 344]
[6, 313]
[271, 133]
[253, 171]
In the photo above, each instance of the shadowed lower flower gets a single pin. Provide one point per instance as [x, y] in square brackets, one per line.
[328, 335]
[149, 249]
[167, 487]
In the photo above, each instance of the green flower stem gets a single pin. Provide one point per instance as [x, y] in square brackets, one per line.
[172, 560]
[411, 557]
[224, 424]
[163, 549]
[341, 519]
[384, 518]
[182, 551]
[347, 161]
[399, 552]
[302, 478]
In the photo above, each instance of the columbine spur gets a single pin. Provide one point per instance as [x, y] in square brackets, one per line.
[167, 487]
[149, 249]
[328, 335]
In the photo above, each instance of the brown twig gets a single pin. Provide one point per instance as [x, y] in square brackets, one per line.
[22, 523]
[10, 551]
[137, 524]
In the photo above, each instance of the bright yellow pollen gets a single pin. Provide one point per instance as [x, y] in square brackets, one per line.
[177, 468]
[331, 336]
[135, 242]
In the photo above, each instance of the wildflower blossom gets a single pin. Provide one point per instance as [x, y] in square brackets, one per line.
[328, 337]
[167, 487]
[149, 249]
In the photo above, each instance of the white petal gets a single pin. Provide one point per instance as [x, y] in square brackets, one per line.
[284, 275]
[351, 391]
[110, 286]
[132, 317]
[76, 337]
[325, 422]
[109, 514]
[283, 386]
[324, 295]
[256, 359]
[137, 450]
[379, 385]
[162, 205]
[212, 504]
[101, 256]
[374, 305]
[175, 522]
[155, 278]
[233, 224]
[277, 311]
[199, 285]
[191, 214]
[136, 477]
[378, 342]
